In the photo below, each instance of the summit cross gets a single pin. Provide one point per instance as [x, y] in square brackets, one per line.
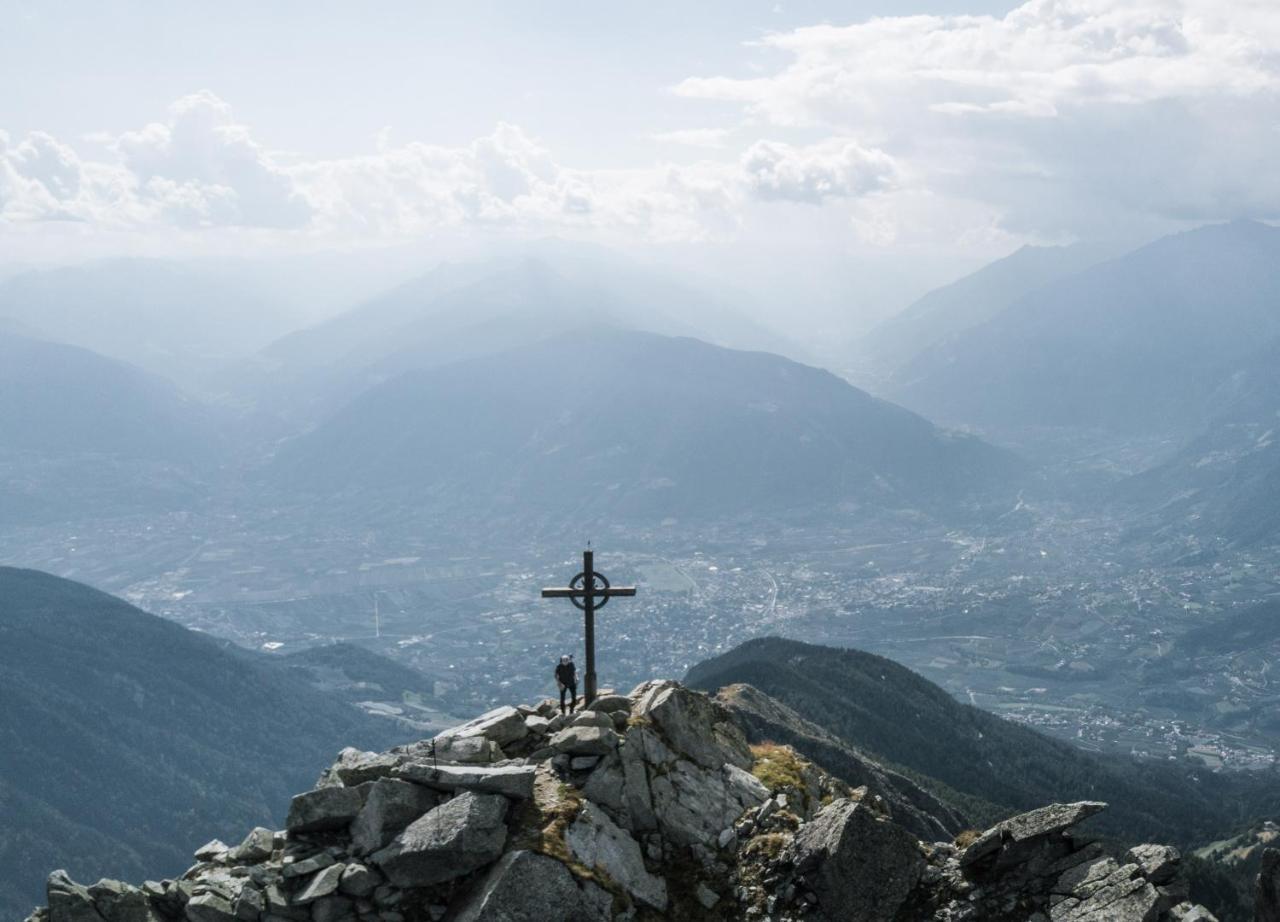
[589, 591]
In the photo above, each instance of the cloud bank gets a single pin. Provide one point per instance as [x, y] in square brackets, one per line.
[1060, 118]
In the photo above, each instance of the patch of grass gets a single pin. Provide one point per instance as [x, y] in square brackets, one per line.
[778, 767]
[766, 846]
[967, 837]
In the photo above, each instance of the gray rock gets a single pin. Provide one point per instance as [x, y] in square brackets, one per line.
[1266, 888]
[257, 846]
[69, 901]
[359, 881]
[706, 896]
[307, 865]
[390, 806]
[611, 704]
[522, 886]
[214, 850]
[249, 904]
[537, 725]
[700, 728]
[692, 804]
[591, 719]
[321, 884]
[514, 781]
[210, 907]
[325, 808]
[585, 741]
[355, 767]
[1122, 896]
[638, 799]
[452, 839]
[861, 865]
[120, 902]
[583, 763]
[597, 842]
[1190, 912]
[1046, 821]
[467, 750]
[1159, 863]
[606, 785]
[501, 725]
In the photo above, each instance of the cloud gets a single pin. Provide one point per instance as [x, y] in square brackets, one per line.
[833, 169]
[1060, 114]
[201, 167]
[709, 138]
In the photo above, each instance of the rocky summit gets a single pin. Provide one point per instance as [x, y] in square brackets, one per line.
[648, 806]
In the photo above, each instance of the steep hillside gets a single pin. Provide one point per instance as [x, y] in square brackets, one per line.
[1137, 345]
[127, 740]
[60, 399]
[645, 425]
[1225, 482]
[970, 301]
[894, 714]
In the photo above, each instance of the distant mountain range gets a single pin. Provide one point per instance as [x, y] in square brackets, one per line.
[637, 424]
[127, 740]
[460, 311]
[968, 302]
[1137, 345]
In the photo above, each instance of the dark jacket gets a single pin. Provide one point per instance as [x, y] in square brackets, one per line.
[566, 674]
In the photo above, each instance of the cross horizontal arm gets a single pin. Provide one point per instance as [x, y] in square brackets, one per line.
[582, 593]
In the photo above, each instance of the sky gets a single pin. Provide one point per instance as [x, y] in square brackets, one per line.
[894, 142]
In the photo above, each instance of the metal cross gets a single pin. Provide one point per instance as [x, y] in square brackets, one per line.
[590, 591]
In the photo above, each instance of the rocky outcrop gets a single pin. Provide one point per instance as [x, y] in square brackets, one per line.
[910, 806]
[648, 806]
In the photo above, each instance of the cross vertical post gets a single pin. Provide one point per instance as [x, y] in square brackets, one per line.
[589, 591]
[589, 615]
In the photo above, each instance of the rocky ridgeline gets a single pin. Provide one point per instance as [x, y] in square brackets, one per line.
[648, 806]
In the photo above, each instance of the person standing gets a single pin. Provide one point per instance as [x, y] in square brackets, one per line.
[567, 680]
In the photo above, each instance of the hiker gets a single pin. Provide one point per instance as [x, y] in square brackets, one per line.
[567, 679]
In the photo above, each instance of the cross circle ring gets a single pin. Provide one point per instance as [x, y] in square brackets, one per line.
[579, 584]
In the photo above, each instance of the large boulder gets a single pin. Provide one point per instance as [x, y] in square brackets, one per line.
[526, 887]
[257, 846]
[390, 806]
[693, 724]
[858, 863]
[469, 750]
[598, 843]
[1045, 823]
[585, 741]
[501, 725]
[355, 766]
[325, 808]
[453, 839]
[514, 781]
